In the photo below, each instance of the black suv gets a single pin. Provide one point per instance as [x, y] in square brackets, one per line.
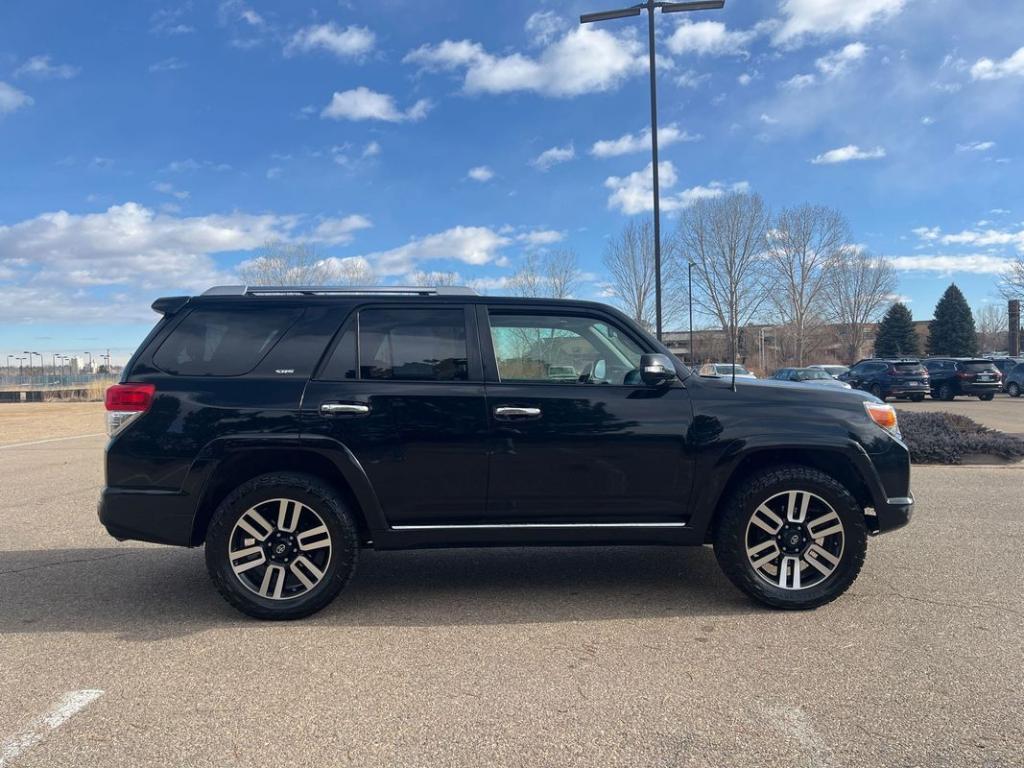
[889, 377]
[286, 428]
[952, 376]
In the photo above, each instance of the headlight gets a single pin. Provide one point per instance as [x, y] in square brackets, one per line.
[884, 416]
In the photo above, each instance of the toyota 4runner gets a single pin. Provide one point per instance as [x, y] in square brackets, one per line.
[287, 428]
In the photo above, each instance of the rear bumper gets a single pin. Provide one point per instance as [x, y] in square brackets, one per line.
[981, 388]
[902, 390]
[162, 517]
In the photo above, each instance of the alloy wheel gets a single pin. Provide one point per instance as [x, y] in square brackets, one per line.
[280, 549]
[795, 540]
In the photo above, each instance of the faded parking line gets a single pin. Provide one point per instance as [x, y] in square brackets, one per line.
[70, 704]
[51, 440]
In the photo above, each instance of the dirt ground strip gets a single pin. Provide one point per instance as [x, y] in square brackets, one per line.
[25, 422]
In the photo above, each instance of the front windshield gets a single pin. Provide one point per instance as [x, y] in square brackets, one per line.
[809, 375]
[726, 370]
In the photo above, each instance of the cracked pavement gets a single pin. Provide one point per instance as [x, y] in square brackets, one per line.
[513, 657]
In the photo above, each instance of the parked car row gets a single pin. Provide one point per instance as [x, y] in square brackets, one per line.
[942, 378]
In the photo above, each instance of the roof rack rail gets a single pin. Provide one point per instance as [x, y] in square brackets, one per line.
[330, 290]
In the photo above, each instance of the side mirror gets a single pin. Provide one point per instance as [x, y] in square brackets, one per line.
[656, 369]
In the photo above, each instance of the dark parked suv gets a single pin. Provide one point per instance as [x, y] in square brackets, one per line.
[897, 377]
[952, 376]
[287, 428]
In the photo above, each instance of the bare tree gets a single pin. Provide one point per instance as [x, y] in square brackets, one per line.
[435, 279]
[554, 275]
[725, 238]
[992, 322]
[805, 244]
[859, 287]
[1012, 286]
[629, 259]
[281, 263]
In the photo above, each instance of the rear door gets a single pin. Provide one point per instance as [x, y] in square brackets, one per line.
[402, 389]
[576, 437]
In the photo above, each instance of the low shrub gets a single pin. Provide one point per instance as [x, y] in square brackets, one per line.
[946, 438]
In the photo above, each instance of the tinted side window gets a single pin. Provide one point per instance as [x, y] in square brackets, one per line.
[413, 344]
[342, 364]
[222, 343]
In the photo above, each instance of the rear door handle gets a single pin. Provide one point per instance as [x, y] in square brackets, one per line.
[341, 409]
[516, 412]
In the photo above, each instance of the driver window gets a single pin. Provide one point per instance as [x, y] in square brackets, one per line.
[563, 350]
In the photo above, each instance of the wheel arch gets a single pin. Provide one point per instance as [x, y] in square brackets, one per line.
[238, 464]
[834, 462]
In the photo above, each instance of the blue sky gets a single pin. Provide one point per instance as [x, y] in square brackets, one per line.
[147, 147]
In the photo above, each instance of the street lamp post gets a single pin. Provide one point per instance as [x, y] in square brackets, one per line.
[689, 306]
[649, 6]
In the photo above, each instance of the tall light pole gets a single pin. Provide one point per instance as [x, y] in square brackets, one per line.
[689, 306]
[622, 13]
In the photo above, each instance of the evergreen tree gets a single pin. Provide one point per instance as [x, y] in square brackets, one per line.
[896, 336]
[951, 333]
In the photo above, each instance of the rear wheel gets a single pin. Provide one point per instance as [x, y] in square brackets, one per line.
[281, 546]
[987, 397]
[1013, 389]
[946, 392]
[791, 537]
[917, 398]
[877, 392]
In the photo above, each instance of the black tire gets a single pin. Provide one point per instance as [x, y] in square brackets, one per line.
[316, 496]
[917, 398]
[987, 397]
[946, 393]
[731, 532]
[877, 392]
[1013, 389]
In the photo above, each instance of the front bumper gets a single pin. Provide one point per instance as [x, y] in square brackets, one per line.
[894, 513]
[162, 517]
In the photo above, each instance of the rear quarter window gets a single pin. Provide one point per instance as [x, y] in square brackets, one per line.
[222, 343]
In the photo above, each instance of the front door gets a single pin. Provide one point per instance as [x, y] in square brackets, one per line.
[411, 410]
[576, 437]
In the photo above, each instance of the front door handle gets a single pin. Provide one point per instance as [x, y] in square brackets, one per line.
[340, 409]
[516, 412]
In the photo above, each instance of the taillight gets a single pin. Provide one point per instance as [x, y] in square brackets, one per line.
[125, 403]
[964, 375]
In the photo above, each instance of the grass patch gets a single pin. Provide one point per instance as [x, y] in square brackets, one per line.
[946, 438]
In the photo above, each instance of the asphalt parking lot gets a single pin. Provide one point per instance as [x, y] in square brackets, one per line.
[1004, 413]
[122, 654]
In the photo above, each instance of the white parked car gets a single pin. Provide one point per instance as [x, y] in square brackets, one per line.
[832, 370]
[725, 369]
[809, 375]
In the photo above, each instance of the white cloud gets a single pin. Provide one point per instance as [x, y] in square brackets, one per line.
[709, 38]
[634, 193]
[848, 153]
[167, 65]
[836, 63]
[469, 245]
[168, 21]
[974, 263]
[975, 146]
[768, 119]
[745, 79]
[544, 26]
[372, 149]
[799, 82]
[11, 99]
[977, 238]
[537, 237]
[480, 173]
[363, 104]
[1011, 66]
[166, 188]
[812, 18]
[40, 66]
[691, 79]
[351, 42]
[927, 120]
[340, 230]
[554, 156]
[583, 60]
[639, 142]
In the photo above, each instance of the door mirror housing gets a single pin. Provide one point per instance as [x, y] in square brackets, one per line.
[656, 370]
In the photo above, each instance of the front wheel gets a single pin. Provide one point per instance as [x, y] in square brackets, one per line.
[281, 546]
[877, 392]
[987, 397]
[946, 393]
[1013, 389]
[791, 537]
[917, 398]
